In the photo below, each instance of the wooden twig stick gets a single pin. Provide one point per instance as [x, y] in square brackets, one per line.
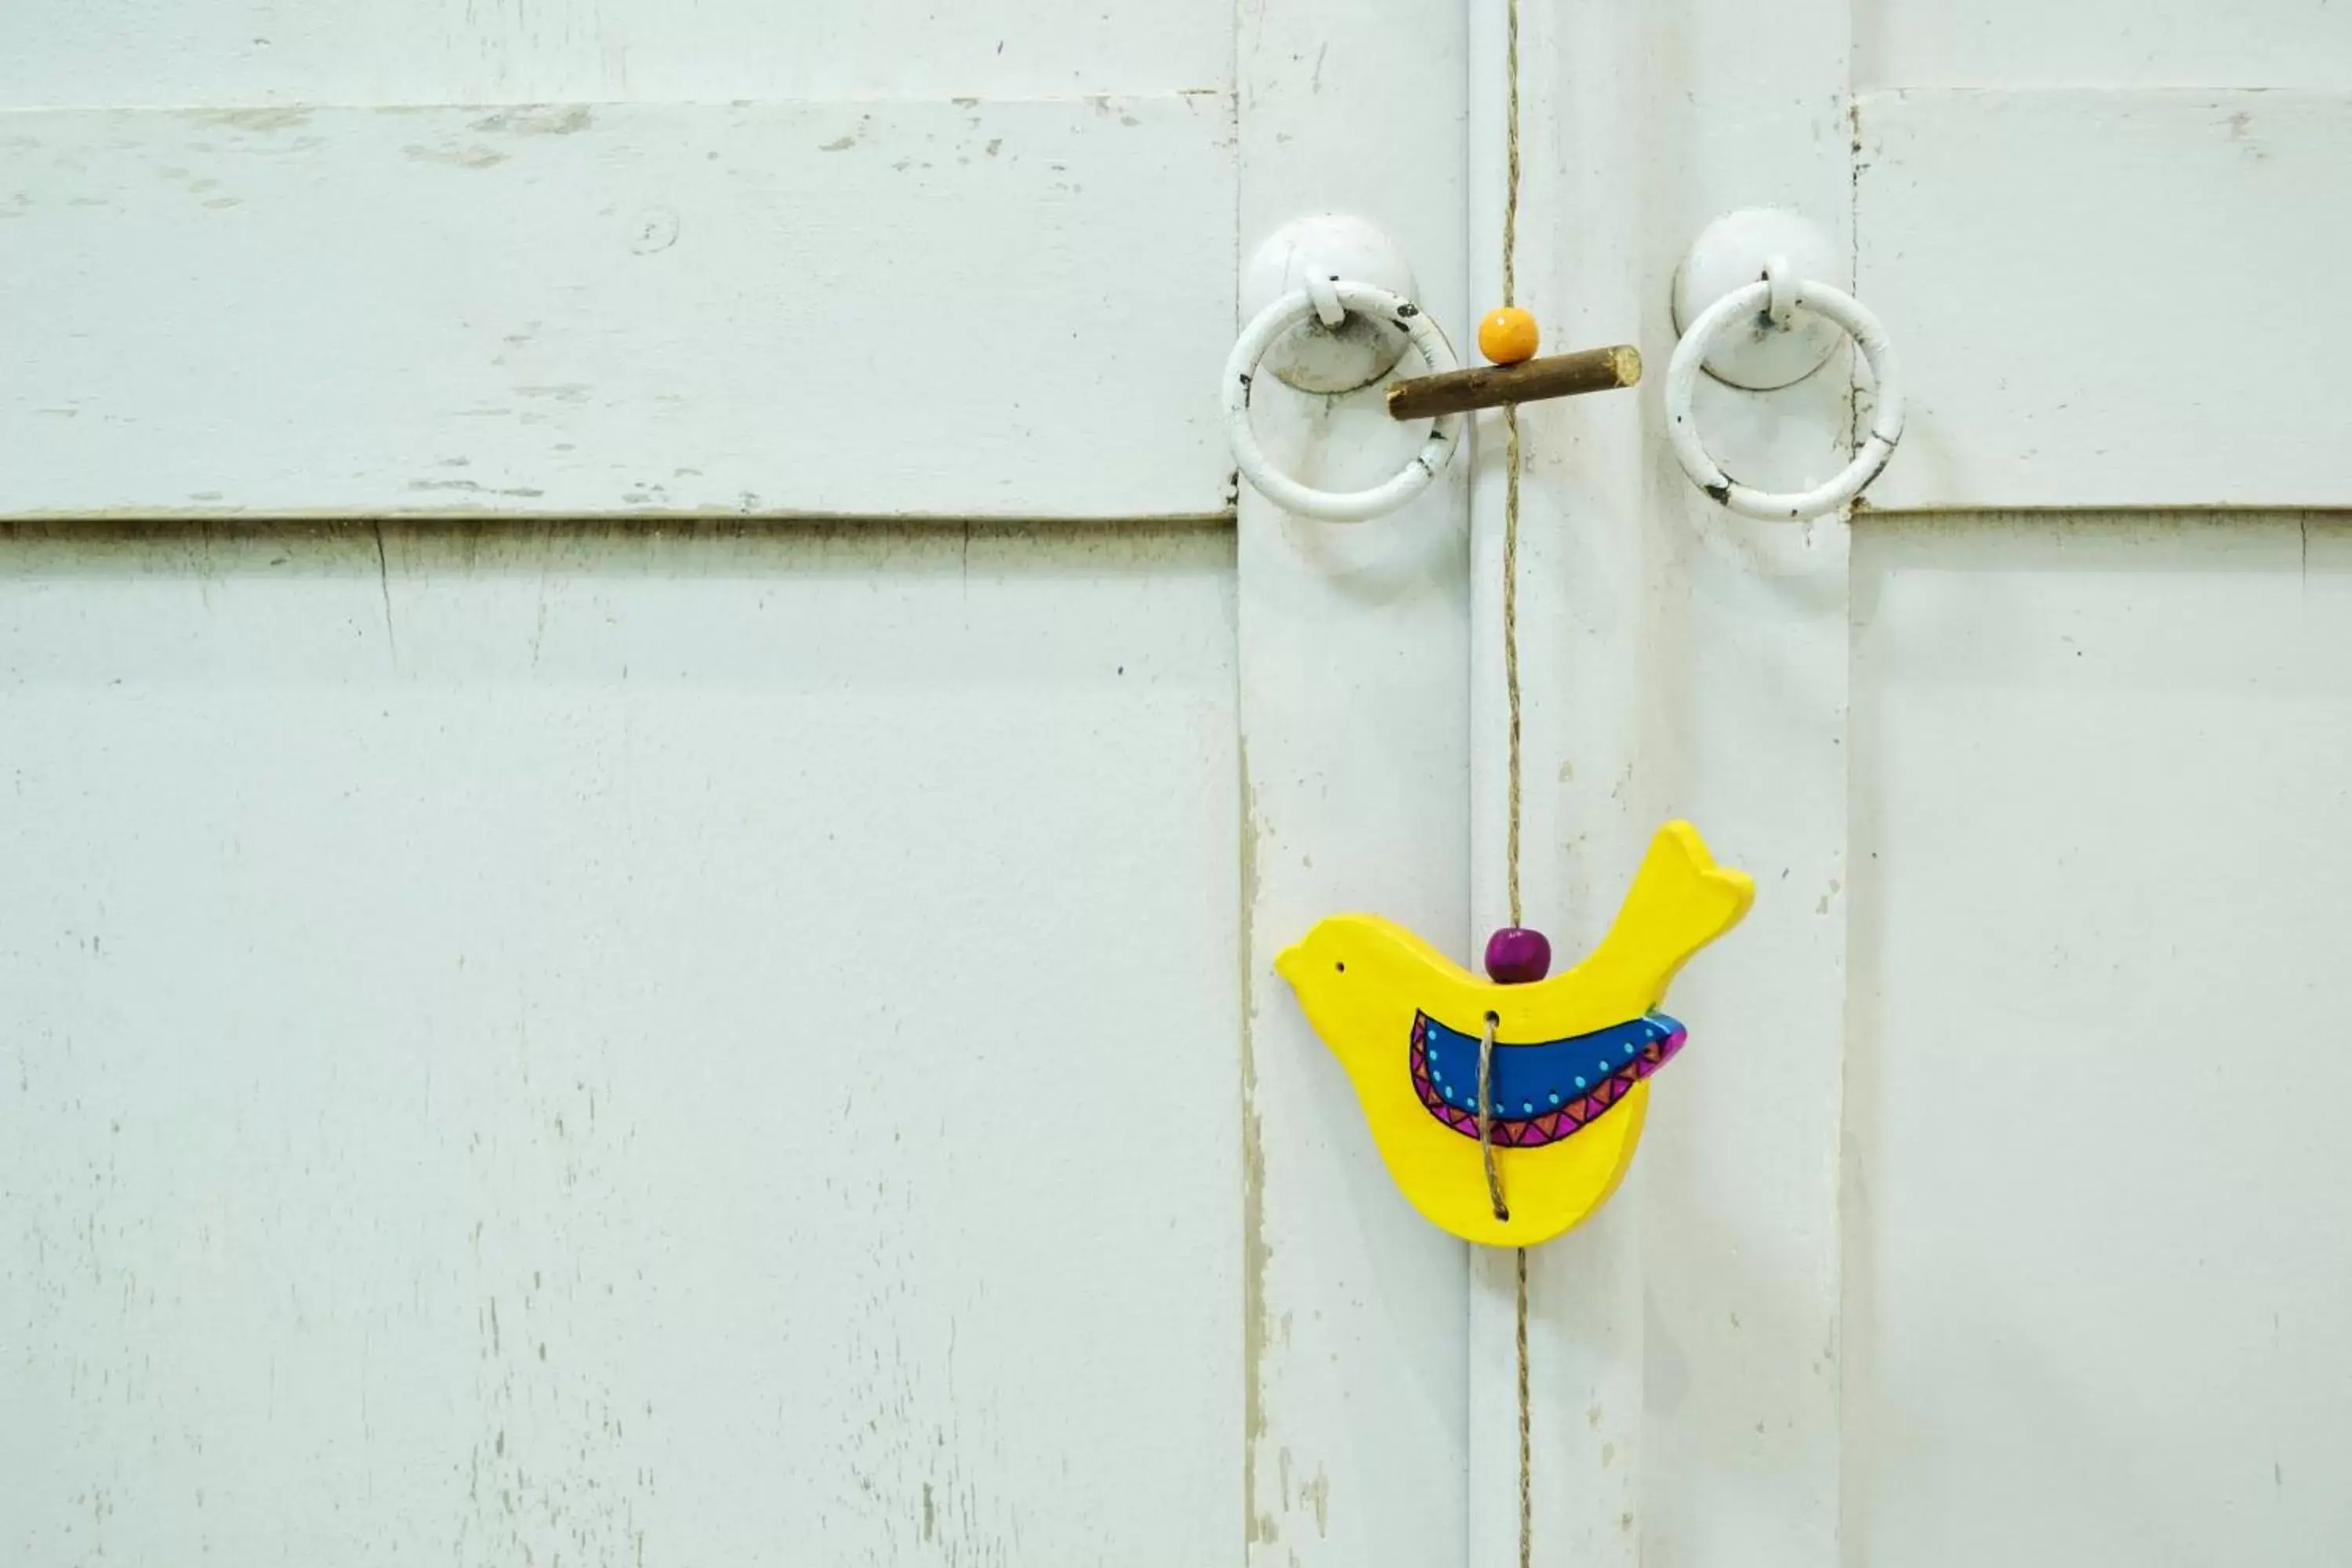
[1493, 385]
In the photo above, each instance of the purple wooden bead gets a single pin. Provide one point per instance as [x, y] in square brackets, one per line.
[1517, 956]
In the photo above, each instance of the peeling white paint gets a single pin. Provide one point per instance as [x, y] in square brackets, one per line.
[1015, 324]
[727, 1038]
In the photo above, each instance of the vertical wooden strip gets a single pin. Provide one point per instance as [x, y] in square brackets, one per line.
[1681, 661]
[1352, 681]
[1741, 1244]
[1581, 829]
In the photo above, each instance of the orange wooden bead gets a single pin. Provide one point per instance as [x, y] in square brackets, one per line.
[1508, 335]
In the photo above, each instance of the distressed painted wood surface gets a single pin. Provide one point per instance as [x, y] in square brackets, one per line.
[2096, 1254]
[606, 1046]
[1678, 662]
[1756, 1355]
[966, 309]
[2130, 315]
[967, 283]
[1354, 726]
[240, 53]
[2013, 44]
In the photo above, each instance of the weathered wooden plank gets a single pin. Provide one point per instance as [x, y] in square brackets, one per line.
[2015, 44]
[982, 310]
[2127, 315]
[2099, 1257]
[1678, 662]
[102, 54]
[1353, 656]
[526, 1044]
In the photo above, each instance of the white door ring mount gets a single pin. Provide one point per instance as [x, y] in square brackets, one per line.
[1330, 300]
[1733, 311]
[1754, 315]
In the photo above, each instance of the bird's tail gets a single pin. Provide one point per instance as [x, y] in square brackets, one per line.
[1680, 900]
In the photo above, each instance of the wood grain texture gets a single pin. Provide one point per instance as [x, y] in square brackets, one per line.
[977, 309]
[102, 54]
[1353, 675]
[2098, 1260]
[2130, 315]
[604, 1045]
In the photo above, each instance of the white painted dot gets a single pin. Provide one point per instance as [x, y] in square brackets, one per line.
[1579, 1083]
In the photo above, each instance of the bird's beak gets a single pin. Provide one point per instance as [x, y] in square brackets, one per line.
[1290, 961]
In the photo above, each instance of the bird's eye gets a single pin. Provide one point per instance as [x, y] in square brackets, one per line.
[1341, 967]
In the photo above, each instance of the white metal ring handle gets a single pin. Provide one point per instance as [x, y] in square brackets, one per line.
[1337, 506]
[1737, 308]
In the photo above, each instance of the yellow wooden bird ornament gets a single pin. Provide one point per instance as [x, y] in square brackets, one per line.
[1565, 1085]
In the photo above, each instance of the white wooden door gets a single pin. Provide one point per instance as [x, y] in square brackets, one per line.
[651, 773]
[1999, 1220]
[2098, 802]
